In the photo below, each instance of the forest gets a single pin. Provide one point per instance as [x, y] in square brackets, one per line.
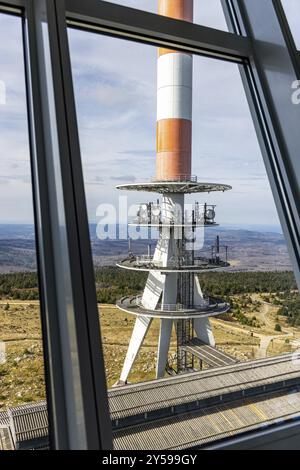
[279, 288]
[222, 283]
[290, 307]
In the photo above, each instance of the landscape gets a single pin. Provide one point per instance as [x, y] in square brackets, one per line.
[249, 249]
[264, 319]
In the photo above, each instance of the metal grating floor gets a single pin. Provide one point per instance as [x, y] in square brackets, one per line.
[211, 356]
[156, 395]
[210, 425]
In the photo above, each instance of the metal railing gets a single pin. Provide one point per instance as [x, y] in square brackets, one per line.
[177, 307]
[181, 307]
[149, 260]
[181, 262]
[157, 214]
[177, 179]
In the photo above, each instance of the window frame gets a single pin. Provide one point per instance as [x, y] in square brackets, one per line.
[242, 45]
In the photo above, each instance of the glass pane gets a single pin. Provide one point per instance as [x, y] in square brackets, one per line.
[292, 11]
[193, 276]
[21, 353]
[206, 12]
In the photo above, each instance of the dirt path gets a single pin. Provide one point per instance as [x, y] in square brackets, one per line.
[265, 316]
[23, 303]
[265, 312]
[17, 340]
[265, 342]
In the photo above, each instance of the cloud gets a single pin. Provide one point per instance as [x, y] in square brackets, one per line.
[97, 181]
[292, 11]
[116, 102]
[124, 178]
[145, 153]
[115, 89]
[25, 179]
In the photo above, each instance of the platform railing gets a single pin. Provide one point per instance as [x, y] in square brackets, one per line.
[177, 179]
[198, 214]
[181, 307]
[147, 259]
[180, 263]
[178, 307]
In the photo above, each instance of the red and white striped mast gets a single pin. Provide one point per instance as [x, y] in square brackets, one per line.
[174, 101]
[172, 293]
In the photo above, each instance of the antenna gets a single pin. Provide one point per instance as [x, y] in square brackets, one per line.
[172, 293]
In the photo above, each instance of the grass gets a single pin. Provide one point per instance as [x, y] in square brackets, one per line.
[22, 376]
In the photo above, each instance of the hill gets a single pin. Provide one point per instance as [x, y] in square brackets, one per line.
[249, 250]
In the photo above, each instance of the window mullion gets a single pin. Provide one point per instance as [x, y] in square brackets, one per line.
[76, 378]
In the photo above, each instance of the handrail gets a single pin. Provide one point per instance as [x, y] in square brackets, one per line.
[177, 179]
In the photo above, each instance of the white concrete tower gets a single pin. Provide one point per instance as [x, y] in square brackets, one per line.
[172, 292]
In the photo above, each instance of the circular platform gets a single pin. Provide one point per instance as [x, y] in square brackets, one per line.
[212, 308]
[144, 265]
[175, 187]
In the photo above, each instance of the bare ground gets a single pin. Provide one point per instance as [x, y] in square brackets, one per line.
[22, 375]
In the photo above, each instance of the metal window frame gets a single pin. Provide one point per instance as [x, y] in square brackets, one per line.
[267, 77]
[68, 297]
[76, 387]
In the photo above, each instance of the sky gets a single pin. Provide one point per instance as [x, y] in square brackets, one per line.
[115, 91]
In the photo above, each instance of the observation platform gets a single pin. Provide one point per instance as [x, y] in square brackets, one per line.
[210, 308]
[210, 406]
[147, 263]
[180, 186]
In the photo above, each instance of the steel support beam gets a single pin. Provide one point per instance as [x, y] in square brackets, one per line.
[109, 18]
[100, 16]
[261, 41]
[141, 327]
[13, 3]
[13, 7]
[165, 334]
[76, 386]
[268, 77]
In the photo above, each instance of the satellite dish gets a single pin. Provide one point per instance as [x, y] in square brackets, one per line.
[156, 212]
[143, 212]
[143, 209]
[210, 214]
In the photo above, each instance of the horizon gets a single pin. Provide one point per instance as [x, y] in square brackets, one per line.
[115, 92]
[251, 227]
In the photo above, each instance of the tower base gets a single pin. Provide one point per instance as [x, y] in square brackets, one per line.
[185, 330]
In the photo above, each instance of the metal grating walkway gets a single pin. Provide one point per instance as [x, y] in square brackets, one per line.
[151, 400]
[209, 355]
[207, 426]
[190, 410]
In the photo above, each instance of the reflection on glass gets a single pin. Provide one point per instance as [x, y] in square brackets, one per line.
[194, 282]
[119, 116]
[292, 11]
[206, 12]
[193, 277]
[22, 384]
